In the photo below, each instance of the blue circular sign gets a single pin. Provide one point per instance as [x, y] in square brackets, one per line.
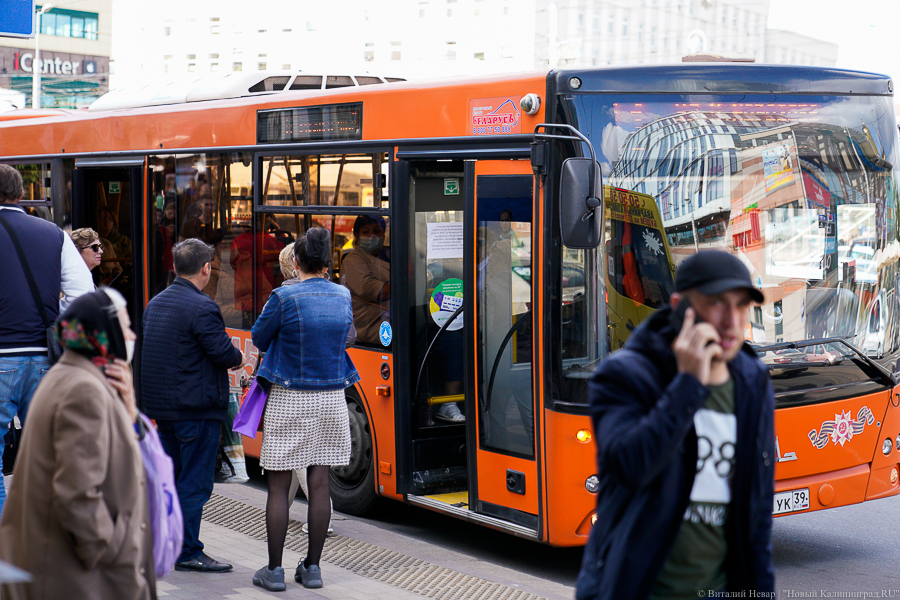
[385, 334]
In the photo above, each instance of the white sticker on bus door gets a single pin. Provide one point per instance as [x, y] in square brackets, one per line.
[445, 240]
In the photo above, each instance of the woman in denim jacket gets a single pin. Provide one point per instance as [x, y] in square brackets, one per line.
[303, 331]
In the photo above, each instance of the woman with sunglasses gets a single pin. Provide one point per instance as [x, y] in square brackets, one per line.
[91, 248]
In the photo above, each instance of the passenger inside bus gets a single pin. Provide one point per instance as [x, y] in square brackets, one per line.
[241, 259]
[107, 227]
[91, 249]
[366, 272]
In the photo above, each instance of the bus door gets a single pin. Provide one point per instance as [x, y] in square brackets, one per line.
[107, 198]
[500, 329]
[471, 448]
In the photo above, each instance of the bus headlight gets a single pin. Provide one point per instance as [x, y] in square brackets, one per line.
[898, 443]
[887, 446]
[593, 519]
[584, 436]
[592, 484]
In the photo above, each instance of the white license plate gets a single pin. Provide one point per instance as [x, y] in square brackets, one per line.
[791, 501]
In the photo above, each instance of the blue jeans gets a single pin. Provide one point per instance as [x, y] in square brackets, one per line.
[192, 446]
[19, 377]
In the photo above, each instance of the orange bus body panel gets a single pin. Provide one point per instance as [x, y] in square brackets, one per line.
[395, 111]
[840, 467]
[380, 410]
[569, 463]
[880, 484]
[840, 450]
[845, 486]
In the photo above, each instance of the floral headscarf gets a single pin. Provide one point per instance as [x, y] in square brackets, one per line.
[91, 327]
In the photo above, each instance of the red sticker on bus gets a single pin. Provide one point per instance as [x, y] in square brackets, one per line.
[495, 116]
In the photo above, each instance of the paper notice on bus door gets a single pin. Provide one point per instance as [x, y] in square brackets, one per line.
[445, 240]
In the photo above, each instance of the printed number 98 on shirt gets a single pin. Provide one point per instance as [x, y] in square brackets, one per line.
[791, 501]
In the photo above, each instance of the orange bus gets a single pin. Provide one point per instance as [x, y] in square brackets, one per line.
[504, 268]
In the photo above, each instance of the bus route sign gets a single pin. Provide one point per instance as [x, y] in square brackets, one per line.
[18, 20]
[630, 207]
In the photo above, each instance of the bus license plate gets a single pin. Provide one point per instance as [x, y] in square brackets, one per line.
[791, 501]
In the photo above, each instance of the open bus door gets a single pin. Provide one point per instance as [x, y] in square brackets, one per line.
[470, 285]
[471, 288]
[107, 197]
[505, 482]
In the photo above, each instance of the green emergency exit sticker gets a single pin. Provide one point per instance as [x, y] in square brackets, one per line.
[115, 187]
[451, 187]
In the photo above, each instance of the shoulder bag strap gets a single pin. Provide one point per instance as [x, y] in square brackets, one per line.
[28, 275]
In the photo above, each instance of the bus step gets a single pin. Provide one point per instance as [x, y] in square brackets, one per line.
[439, 481]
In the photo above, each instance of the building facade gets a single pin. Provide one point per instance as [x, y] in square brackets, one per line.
[439, 38]
[75, 50]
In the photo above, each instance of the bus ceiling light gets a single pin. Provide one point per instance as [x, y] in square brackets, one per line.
[584, 436]
[530, 104]
[575, 83]
[592, 484]
[887, 446]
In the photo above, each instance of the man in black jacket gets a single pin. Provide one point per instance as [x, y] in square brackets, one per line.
[684, 424]
[185, 358]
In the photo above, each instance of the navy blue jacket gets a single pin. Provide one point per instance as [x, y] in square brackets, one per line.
[643, 412]
[20, 321]
[185, 356]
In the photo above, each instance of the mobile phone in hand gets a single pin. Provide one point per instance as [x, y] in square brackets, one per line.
[676, 317]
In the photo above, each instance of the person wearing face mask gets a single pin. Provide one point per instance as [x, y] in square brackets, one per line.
[366, 272]
[77, 516]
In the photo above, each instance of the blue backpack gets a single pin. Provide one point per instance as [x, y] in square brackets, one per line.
[165, 511]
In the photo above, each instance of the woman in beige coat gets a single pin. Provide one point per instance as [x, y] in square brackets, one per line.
[76, 517]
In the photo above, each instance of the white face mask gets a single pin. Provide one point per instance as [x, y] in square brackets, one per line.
[129, 348]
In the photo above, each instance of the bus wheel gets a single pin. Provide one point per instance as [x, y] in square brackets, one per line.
[353, 485]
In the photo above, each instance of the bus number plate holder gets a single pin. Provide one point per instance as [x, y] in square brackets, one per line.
[791, 501]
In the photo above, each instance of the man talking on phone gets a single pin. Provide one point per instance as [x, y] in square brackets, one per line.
[684, 425]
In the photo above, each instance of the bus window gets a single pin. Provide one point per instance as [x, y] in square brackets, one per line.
[325, 180]
[366, 271]
[36, 200]
[208, 197]
[503, 241]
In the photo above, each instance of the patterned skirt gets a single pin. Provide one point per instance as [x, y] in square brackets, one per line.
[303, 428]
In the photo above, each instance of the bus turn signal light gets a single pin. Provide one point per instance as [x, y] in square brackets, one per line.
[583, 436]
[894, 475]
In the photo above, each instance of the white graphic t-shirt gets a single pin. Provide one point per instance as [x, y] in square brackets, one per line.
[697, 560]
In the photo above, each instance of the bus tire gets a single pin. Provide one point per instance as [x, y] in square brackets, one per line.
[353, 485]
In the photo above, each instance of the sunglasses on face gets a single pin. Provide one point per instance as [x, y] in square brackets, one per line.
[95, 247]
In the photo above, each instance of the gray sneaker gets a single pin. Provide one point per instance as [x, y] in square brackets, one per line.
[311, 577]
[270, 579]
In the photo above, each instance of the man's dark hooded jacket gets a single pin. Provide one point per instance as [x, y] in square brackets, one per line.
[643, 412]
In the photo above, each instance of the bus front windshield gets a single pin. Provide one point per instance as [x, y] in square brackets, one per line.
[803, 189]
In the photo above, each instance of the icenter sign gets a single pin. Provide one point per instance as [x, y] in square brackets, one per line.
[57, 66]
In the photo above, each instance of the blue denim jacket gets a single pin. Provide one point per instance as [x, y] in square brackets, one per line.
[303, 331]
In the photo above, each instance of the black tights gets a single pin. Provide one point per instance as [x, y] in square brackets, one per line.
[278, 504]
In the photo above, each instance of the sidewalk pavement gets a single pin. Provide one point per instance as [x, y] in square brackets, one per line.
[248, 553]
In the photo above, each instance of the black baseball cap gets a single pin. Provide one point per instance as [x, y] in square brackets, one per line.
[712, 272]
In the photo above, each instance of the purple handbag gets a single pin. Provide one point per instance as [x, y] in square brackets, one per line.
[247, 420]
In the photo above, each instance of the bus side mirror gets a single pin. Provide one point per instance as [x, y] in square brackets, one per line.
[580, 205]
